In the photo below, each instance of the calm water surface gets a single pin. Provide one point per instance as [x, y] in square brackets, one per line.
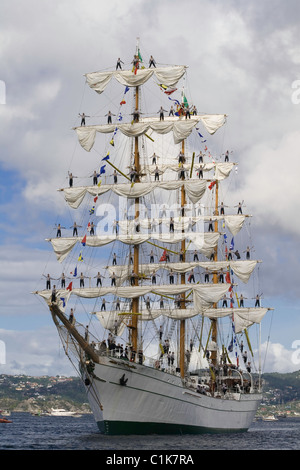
[28, 432]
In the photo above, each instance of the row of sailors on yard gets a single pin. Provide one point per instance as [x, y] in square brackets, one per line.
[133, 173]
[183, 110]
[152, 224]
[133, 276]
[177, 300]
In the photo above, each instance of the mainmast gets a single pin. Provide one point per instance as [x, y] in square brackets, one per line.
[182, 303]
[214, 329]
[135, 301]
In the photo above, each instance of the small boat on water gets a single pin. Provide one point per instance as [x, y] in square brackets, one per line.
[5, 420]
[270, 418]
[63, 412]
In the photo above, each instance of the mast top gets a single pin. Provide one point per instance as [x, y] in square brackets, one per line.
[137, 45]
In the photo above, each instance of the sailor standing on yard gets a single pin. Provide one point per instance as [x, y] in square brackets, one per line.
[161, 113]
[75, 226]
[109, 115]
[119, 62]
[99, 281]
[248, 251]
[58, 232]
[239, 206]
[113, 279]
[81, 282]
[71, 177]
[222, 208]
[151, 62]
[63, 281]
[115, 177]
[83, 116]
[95, 178]
[48, 281]
[257, 301]
[53, 295]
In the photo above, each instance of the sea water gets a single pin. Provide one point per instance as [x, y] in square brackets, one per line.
[27, 432]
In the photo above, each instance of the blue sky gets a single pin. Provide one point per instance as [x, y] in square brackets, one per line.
[243, 58]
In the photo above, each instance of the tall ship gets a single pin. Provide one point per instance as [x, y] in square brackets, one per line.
[147, 296]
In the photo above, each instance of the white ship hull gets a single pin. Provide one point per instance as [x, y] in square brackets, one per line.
[153, 401]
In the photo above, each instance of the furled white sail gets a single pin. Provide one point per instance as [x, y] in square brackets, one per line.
[205, 242]
[111, 321]
[222, 170]
[74, 196]
[243, 317]
[195, 189]
[168, 76]
[181, 128]
[209, 293]
[148, 315]
[242, 268]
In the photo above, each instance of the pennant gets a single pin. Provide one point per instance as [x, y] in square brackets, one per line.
[80, 258]
[69, 288]
[185, 101]
[122, 102]
[176, 101]
[164, 256]
[63, 301]
[89, 227]
[169, 92]
[126, 89]
[225, 239]
[95, 199]
[83, 241]
[120, 117]
[112, 142]
[92, 210]
[227, 278]
[212, 184]
[232, 244]
[163, 86]
[106, 158]
[102, 169]
[75, 272]
[140, 57]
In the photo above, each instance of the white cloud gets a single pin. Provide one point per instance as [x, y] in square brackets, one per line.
[35, 352]
[276, 358]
